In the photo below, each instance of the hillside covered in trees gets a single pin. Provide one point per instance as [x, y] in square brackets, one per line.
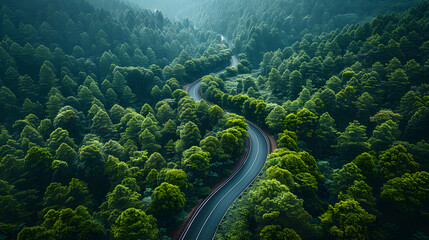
[99, 141]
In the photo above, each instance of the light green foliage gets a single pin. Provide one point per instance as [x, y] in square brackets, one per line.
[272, 201]
[148, 142]
[135, 224]
[408, 193]
[155, 161]
[196, 160]
[367, 164]
[384, 135]
[66, 224]
[347, 220]
[167, 199]
[60, 197]
[346, 176]
[275, 118]
[287, 139]
[270, 232]
[117, 201]
[103, 126]
[177, 177]
[190, 135]
[362, 193]
[116, 170]
[396, 161]
[352, 141]
[281, 175]
[58, 137]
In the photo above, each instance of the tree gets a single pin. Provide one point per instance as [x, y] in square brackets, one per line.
[367, 164]
[155, 161]
[27, 87]
[196, 161]
[346, 176]
[397, 85]
[190, 135]
[148, 142]
[167, 199]
[67, 154]
[408, 193]
[37, 164]
[396, 161]
[215, 113]
[275, 81]
[67, 224]
[177, 177]
[362, 193]
[103, 126]
[365, 106]
[384, 135]
[91, 167]
[271, 201]
[115, 149]
[352, 141]
[117, 201]
[270, 232]
[85, 98]
[275, 118]
[135, 224]
[119, 83]
[335, 84]
[347, 220]
[58, 137]
[295, 84]
[288, 139]
[47, 79]
[165, 113]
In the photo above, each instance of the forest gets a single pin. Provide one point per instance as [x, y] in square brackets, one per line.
[99, 139]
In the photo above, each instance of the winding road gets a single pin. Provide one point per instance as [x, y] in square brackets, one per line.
[204, 222]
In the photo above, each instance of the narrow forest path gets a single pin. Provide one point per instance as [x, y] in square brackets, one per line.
[206, 218]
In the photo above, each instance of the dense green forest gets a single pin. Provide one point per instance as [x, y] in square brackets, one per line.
[256, 27]
[99, 141]
[96, 131]
[355, 99]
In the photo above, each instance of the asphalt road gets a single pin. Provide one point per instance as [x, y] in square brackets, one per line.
[204, 223]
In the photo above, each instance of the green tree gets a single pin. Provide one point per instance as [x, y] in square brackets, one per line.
[135, 224]
[347, 220]
[155, 161]
[384, 135]
[396, 161]
[177, 177]
[367, 164]
[196, 161]
[397, 85]
[103, 126]
[37, 165]
[295, 84]
[167, 199]
[58, 137]
[275, 81]
[275, 118]
[117, 201]
[346, 176]
[362, 193]
[270, 232]
[352, 141]
[190, 135]
[408, 193]
[47, 79]
[148, 142]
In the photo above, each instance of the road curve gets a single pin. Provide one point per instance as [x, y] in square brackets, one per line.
[204, 222]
